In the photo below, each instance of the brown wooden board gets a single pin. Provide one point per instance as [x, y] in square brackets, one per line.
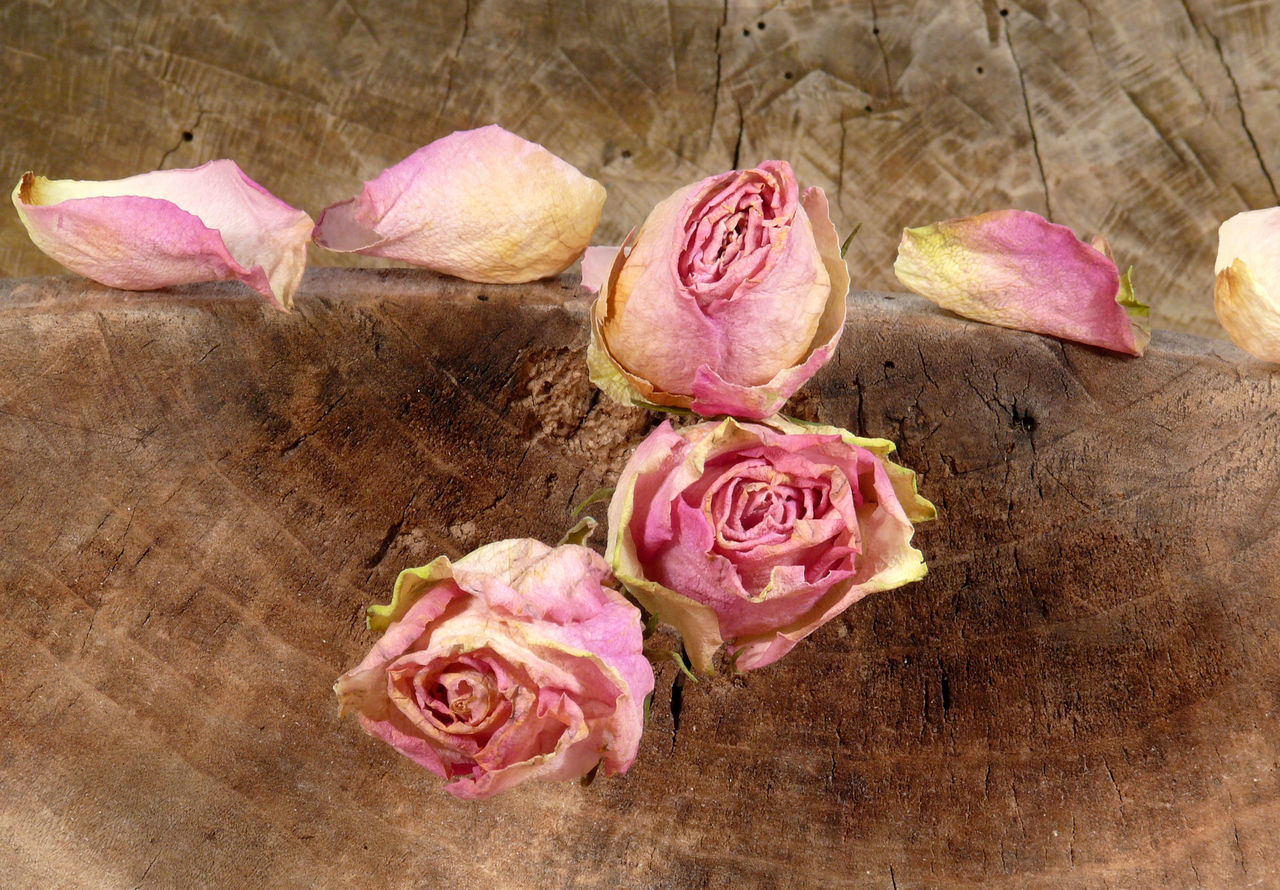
[1148, 120]
[200, 495]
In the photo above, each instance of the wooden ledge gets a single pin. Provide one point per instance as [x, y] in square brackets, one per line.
[200, 495]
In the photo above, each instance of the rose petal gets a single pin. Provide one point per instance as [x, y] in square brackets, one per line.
[597, 262]
[484, 205]
[169, 227]
[1018, 270]
[1246, 291]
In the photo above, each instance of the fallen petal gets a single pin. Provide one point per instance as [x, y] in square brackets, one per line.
[1018, 270]
[169, 227]
[484, 205]
[1246, 288]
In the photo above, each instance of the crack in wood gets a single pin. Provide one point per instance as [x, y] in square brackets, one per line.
[737, 145]
[1031, 125]
[455, 60]
[1235, 89]
[187, 136]
[392, 533]
[715, 93]
[884, 56]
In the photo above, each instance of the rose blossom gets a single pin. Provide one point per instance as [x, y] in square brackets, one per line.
[732, 296]
[513, 663]
[755, 534]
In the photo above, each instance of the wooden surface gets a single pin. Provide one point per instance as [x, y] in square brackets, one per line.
[199, 496]
[1148, 120]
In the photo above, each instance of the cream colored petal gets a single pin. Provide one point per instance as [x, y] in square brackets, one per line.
[484, 205]
[1246, 291]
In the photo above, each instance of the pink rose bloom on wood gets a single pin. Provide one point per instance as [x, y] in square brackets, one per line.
[754, 535]
[514, 663]
[732, 296]
[484, 205]
[169, 227]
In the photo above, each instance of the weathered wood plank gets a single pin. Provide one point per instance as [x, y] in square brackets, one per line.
[1149, 121]
[198, 497]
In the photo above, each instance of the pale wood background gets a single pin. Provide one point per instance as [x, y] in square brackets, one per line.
[198, 495]
[1148, 120]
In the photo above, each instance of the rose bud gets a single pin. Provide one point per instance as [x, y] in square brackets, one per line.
[1246, 288]
[514, 663]
[169, 227]
[1018, 270]
[754, 535]
[484, 205]
[732, 296]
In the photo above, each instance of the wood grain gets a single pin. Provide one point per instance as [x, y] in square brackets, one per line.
[1148, 120]
[199, 496]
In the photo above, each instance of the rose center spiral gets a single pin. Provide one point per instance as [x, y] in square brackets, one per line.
[763, 506]
[731, 230]
[461, 693]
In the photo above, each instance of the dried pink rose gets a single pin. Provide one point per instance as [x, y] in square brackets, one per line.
[756, 534]
[514, 663]
[169, 227]
[484, 205]
[1018, 270]
[732, 296]
[1246, 290]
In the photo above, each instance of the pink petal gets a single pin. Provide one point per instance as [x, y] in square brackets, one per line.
[596, 265]
[484, 205]
[169, 227]
[1018, 270]
[714, 395]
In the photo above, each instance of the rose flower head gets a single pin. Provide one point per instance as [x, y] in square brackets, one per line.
[516, 662]
[754, 535]
[731, 296]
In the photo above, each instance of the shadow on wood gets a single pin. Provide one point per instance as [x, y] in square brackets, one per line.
[199, 496]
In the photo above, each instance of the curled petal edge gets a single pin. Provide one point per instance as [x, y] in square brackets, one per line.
[1249, 315]
[597, 263]
[411, 585]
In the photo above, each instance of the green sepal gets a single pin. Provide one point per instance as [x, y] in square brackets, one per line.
[1139, 312]
[600, 494]
[844, 248]
[581, 532]
[683, 665]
